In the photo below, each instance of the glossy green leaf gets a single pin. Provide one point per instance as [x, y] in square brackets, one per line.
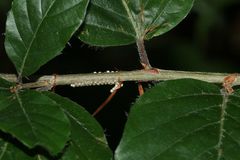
[87, 138]
[183, 120]
[33, 118]
[10, 152]
[37, 30]
[120, 22]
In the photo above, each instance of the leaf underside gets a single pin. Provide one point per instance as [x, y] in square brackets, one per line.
[183, 120]
[87, 137]
[33, 118]
[121, 22]
[37, 30]
[48, 120]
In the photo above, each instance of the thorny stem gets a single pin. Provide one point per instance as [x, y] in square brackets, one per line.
[143, 54]
[110, 78]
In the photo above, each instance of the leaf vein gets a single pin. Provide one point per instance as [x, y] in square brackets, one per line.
[234, 104]
[15, 51]
[109, 10]
[234, 119]
[103, 27]
[233, 139]
[185, 136]
[171, 120]
[221, 128]
[160, 14]
[65, 10]
[180, 97]
[49, 128]
[33, 38]
[4, 149]
[28, 18]
[25, 114]
[17, 29]
[132, 20]
[205, 151]
[79, 123]
[146, 3]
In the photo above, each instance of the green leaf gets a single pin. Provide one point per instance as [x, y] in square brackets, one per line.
[121, 22]
[9, 152]
[87, 138]
[39, 29]
[183, 120]
[33, 118]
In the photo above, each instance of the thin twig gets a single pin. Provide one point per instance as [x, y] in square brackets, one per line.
[110, 78]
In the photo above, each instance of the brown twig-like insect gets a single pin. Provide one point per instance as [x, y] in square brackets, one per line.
[113, 91]
[140, 89]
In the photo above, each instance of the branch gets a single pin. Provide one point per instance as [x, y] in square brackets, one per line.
[110, 78]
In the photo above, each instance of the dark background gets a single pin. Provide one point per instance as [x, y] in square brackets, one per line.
[207, 40]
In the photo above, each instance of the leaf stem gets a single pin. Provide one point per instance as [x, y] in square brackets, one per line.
[110, 78]
[143, 54]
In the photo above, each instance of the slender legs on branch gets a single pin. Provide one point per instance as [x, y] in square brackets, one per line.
[146, 66]
[113, 92]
